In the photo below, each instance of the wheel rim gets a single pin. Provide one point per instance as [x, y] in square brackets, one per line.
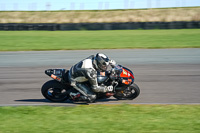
[56, 93]
[129, 92]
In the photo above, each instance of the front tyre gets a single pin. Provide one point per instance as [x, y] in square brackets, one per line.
[130, 93]
[54, 91]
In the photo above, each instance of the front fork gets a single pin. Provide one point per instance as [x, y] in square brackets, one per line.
[114, 84]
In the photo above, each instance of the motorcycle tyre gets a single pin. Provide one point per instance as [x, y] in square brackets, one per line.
[52, 84]
[133, 96]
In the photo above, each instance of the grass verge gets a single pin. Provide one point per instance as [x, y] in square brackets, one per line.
[101, 118]
[114, 39]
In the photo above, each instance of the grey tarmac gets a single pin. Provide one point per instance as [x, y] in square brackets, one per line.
[165, 76]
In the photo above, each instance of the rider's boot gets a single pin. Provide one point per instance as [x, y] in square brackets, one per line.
[75, 95]
[91, 98]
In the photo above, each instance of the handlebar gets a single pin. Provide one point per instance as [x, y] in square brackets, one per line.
[115, 72]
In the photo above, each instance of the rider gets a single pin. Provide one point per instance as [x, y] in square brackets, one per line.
[86, 70]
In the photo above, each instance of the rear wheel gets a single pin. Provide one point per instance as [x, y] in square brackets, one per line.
[130, 93]
[54, 91]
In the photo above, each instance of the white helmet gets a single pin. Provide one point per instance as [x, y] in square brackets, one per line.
[101, 61]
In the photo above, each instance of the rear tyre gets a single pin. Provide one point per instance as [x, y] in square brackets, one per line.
[130, 93]
[54, 91]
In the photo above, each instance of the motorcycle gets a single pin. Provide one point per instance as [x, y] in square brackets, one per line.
[120, 77]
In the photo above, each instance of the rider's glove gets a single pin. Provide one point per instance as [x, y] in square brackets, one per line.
[112, 63]
[109, 88]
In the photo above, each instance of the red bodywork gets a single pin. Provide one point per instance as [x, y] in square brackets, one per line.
[127, 76]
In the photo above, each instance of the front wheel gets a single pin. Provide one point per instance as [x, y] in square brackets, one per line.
[130, 93]
[54, 91]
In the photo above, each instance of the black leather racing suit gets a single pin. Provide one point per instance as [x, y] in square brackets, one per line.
[82, 72]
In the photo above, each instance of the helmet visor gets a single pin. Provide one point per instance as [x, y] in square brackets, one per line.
[103, 65]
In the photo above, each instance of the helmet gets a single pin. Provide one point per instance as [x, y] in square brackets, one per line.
[101, 62]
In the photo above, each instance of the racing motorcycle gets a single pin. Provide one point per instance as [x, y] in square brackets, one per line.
[122, 79]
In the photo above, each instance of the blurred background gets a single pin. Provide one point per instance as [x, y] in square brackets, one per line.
[38, 5]
[100, 14]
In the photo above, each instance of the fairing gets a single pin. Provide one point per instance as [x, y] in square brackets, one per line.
[57, 74]
[127, 76]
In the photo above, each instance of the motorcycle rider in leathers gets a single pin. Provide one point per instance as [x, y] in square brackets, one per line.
[86, 70]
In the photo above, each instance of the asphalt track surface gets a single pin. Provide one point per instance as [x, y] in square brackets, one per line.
[165, 76]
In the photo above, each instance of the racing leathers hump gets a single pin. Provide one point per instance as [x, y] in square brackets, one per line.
[85, 71]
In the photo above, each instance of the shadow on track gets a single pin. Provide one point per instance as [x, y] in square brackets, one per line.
[67, 101]
[33, 100]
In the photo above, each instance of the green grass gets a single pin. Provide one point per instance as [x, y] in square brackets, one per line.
[101, 119]
[114, 39]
